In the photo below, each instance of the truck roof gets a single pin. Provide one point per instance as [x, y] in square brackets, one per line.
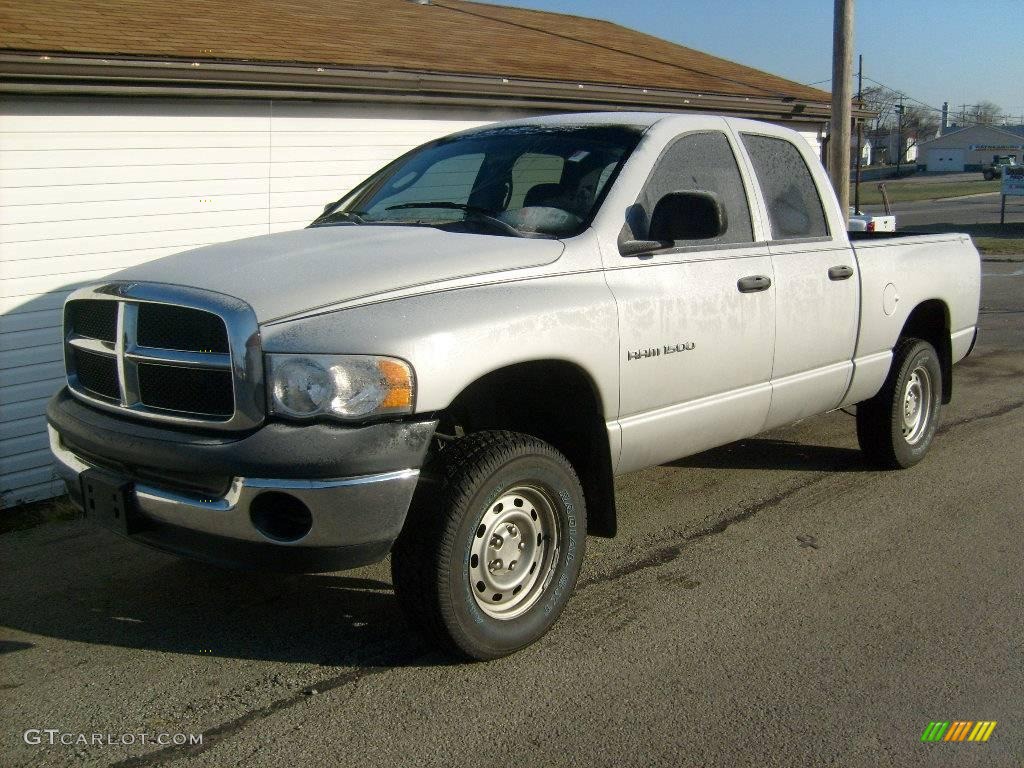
[641, 120]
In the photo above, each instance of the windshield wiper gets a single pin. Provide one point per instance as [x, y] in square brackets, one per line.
[353, 216]
[471, 210]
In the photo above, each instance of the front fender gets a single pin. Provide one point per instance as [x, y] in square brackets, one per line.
[452, 338]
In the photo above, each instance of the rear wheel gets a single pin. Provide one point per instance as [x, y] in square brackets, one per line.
[493, 544]
[895, 428]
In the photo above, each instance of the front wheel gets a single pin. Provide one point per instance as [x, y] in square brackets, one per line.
[493, 544]
[895, 428]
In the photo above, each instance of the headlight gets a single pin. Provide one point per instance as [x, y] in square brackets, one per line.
[347, 387]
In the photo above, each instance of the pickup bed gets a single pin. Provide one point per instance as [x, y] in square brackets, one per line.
[456, 359]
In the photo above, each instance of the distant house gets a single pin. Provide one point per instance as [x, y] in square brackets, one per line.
[969, 148]
[132, 130]
[885, 143]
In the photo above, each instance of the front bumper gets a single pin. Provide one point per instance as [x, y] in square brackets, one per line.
[354, 514]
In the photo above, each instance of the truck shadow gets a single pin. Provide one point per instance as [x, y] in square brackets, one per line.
[70, 581]
[112, 592]
[768, 453]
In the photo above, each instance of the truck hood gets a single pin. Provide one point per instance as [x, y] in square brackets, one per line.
[291, 272]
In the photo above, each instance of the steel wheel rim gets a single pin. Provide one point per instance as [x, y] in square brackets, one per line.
[515, 548]
[917, 405]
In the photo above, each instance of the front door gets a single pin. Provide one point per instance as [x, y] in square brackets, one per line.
[697, 322]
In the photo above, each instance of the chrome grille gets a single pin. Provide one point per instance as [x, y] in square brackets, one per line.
[165, 353]
[166, 327]
[95, 319]
[186, 389]
[97, 373]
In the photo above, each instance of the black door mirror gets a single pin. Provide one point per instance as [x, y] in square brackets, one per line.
[678, 216]
[688, 216]
[329, 206]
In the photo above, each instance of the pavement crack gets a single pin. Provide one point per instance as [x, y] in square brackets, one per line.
[669, 552]
[218, 733]
[1002, 411]
[666, 554]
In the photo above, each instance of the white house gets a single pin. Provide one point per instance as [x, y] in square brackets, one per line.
[129, 131]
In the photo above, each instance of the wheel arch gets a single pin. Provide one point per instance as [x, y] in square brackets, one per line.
[557, 401]
[929, 321]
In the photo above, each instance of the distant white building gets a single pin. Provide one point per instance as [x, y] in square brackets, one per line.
[866, 152]
[884, 147]
[969, 148]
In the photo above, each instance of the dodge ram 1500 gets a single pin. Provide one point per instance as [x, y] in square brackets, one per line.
[455, 360]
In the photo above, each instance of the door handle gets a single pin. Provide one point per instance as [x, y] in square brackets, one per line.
[841, 272]
[753, 283]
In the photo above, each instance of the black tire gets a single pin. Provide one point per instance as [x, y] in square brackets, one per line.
[433, 565]
[882, 430]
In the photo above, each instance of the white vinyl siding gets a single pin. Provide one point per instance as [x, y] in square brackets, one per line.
[91, 186]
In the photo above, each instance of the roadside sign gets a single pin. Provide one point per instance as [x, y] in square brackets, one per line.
[1013, 180]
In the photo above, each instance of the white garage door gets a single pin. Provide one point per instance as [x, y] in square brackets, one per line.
[945, 159]
[88, 187]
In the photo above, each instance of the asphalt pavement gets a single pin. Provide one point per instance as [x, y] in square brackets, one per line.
[771, 603]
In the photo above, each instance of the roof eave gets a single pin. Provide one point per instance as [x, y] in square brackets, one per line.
[57, 73]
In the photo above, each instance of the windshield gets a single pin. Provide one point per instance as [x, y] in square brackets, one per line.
[517, 181]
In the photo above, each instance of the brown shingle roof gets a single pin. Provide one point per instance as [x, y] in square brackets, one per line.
[446, 36]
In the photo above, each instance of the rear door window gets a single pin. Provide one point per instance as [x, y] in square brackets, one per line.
[794, 205]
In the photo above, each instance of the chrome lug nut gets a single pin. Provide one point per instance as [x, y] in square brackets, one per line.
[494, 565]
[512, 530]
[497, 541]
[512, 565]
[522, 545]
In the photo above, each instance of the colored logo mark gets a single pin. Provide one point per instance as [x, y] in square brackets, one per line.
[959, 730]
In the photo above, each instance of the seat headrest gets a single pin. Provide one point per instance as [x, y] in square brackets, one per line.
[543, 194]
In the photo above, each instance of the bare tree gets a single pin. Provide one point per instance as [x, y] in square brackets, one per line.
[882, 101]
[918, 124]
[897, 121]
[985, 113]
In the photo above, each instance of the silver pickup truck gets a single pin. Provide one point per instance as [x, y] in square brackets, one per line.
[454, 362]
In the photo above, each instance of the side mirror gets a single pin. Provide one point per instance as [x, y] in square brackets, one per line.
[329, 206]
[688, 216]
[695, 215]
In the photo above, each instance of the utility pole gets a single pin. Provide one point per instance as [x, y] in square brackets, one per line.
[860, 130]
[839, 131]
[899, 135]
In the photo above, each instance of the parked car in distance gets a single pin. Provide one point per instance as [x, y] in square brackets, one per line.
[456, 359]
[994, 170]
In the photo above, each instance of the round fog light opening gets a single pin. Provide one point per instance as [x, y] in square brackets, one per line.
[280, 516]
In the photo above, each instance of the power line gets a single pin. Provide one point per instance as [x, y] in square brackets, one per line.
[606, 47]
[1008, 112]
[965, 123]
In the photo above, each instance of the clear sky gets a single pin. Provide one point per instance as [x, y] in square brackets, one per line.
[960, 51]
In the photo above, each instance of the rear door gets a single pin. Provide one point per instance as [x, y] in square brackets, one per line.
[695, 351]
[817, 298]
